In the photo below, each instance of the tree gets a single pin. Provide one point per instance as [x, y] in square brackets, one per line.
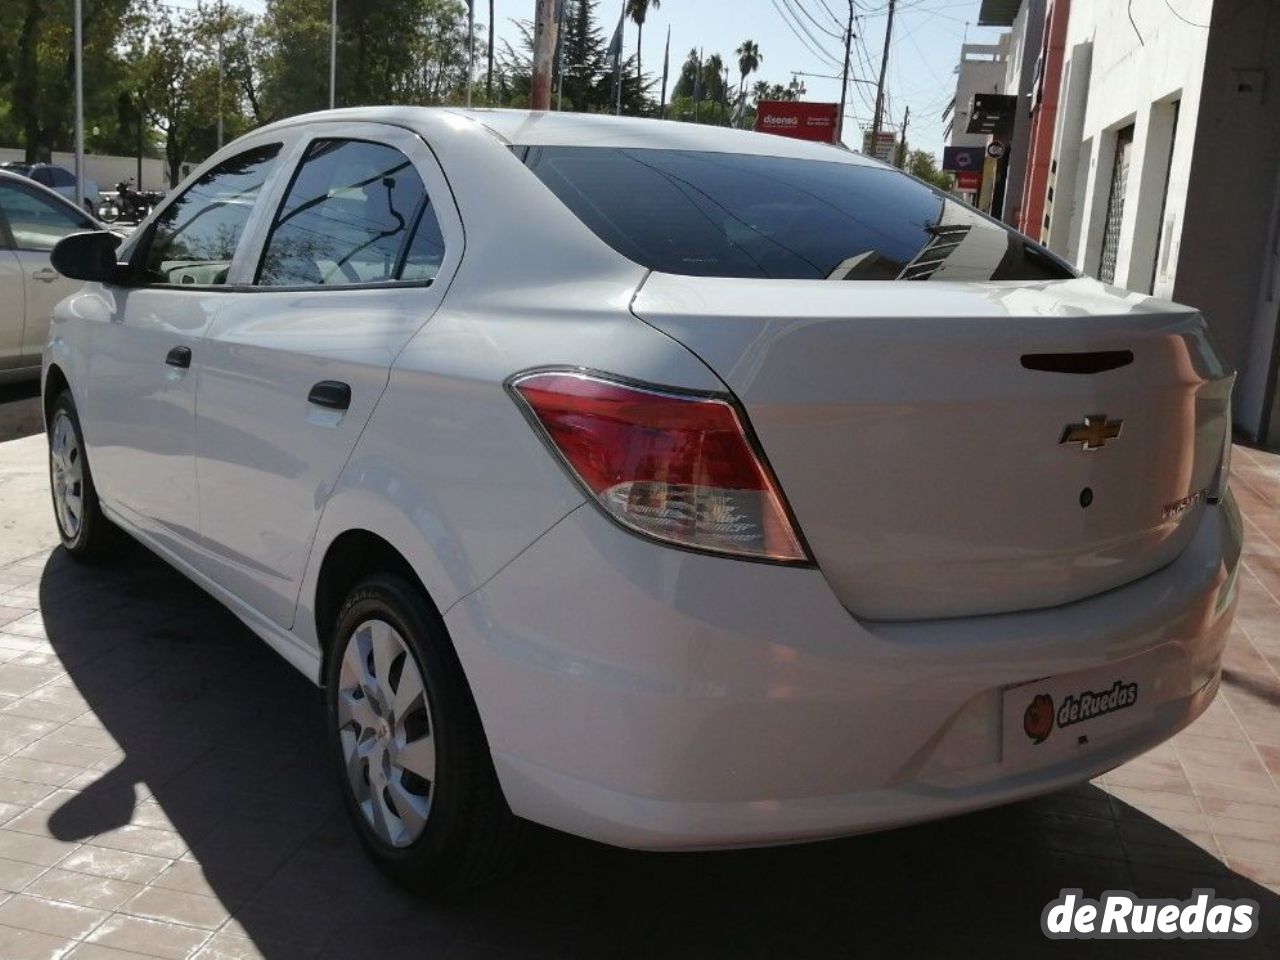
[389, 51]
[37, 74]
[924, 165]
[749, 58]
[638, 10]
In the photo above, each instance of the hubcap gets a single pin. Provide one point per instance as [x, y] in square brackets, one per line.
[67, 463]
[386, 733]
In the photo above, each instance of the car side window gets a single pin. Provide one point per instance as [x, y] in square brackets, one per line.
[42, 176]
[36, 222]
[356, 212]
[61, 178]
[194, 238]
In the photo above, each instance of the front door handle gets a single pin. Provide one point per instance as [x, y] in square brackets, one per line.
[179, 357]
[47, 274]
[331, 394]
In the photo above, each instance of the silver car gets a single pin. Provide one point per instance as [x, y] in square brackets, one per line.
[32, 219]
[672, 486]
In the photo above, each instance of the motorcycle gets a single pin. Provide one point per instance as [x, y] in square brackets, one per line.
[127, 204]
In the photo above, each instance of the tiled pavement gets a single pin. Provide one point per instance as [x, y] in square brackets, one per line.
[162, 794]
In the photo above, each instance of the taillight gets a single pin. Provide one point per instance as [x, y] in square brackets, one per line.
[672, 466]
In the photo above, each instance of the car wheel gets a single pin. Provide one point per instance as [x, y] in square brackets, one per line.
[84, 531]
[413, 761]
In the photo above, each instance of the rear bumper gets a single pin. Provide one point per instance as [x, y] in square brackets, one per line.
[653, 698]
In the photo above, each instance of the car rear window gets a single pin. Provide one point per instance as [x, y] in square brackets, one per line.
[739, 215]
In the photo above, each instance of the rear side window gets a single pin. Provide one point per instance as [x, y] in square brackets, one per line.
[36, 222]
[736, 215]
[194, 238]
[356, 212]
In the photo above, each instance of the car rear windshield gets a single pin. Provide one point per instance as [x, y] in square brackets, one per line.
[739, 215]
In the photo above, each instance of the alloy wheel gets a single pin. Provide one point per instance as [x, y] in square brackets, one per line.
[386, 732]
[67, 461]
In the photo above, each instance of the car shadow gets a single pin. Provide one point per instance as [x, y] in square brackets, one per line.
[220, 740]
[20, 412]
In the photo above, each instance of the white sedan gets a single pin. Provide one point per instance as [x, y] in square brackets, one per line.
[673, 486]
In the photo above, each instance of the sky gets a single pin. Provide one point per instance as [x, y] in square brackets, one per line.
[799, 36]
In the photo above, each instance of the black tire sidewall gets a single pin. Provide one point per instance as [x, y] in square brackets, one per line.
[432, 861]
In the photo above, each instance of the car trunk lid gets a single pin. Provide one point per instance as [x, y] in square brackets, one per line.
[954, 449]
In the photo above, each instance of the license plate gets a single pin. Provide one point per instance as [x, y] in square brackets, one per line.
[1058, 716]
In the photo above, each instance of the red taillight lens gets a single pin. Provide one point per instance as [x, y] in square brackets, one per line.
[675, 467]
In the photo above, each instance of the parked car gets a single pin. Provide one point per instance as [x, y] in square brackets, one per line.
[63, 181]
[32, 220]
[672, 486]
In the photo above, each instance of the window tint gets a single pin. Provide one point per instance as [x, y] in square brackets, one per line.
[356, 212]
[195, 237]
[37, 223]
[735, 215]
[42, 175]
[61, 177]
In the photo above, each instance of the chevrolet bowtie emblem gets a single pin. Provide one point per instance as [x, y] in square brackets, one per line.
[1093, 433]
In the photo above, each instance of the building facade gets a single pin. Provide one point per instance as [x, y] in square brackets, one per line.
[1151, 160]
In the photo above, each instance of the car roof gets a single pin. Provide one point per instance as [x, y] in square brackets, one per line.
[556, 128]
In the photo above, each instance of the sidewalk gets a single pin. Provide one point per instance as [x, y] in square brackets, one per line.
[163, 793]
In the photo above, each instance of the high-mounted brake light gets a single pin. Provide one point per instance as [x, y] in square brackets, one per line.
[675, 467]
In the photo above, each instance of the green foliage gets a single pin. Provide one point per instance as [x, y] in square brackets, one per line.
[37, 75]
[924, 165]
[389, 51]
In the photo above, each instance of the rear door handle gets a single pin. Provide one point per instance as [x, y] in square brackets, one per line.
[47, 274]
[179, 357]
[331, 394]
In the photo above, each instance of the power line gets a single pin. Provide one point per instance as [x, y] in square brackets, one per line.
[789, 8]
[794, 5]
[831, 61]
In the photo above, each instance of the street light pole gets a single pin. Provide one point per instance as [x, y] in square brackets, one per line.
[333, 50]
[79, 41]
[221, 25]
[471, 46]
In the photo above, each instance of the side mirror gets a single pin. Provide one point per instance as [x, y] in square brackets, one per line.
[89, 256]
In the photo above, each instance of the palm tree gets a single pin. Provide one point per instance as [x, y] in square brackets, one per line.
[638, 10]
[749, 57]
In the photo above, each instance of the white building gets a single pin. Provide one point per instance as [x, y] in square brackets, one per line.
[1155, 138]
[981, 69]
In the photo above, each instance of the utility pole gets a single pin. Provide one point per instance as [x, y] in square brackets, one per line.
[844, 81]
[79, 41]
[902, 145]
[333, 51]
[878, 120]
[545, 33]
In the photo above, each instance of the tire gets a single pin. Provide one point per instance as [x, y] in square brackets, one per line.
[86, 534]
[433, 819]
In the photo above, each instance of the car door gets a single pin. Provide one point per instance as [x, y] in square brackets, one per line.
[140, 416]
[12, 306]
[354, 261]
[35, 222]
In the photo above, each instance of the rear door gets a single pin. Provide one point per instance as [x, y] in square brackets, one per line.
[36, 222]
[11, 308]
[355, 259]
